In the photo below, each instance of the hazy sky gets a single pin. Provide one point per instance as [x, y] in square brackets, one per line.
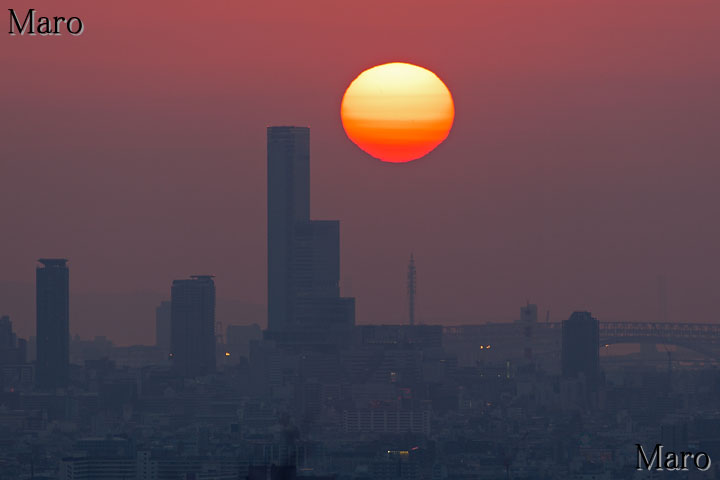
[583, 161]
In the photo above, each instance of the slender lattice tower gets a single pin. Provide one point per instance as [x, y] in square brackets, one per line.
[411, 276]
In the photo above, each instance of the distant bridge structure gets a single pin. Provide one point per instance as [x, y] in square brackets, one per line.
[703, 338]
[642, 332]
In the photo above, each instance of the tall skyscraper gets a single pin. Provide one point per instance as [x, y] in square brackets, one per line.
[411, 289]
[303, 255]
[315, 275]
[528, 322]
[52, 323]
[315, 267]
[7, 337]
[12, 349]
[581, 347]
[193, 326]
[162, 326]
[288, 204]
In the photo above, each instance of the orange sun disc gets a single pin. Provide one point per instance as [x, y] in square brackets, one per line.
[397, 112]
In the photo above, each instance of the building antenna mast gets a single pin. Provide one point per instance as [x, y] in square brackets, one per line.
[411, 279]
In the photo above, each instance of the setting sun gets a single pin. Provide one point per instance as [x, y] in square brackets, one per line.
[397, 112]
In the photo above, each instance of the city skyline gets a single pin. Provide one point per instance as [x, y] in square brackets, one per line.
[320, 377]
[378, 240]
[576, 171]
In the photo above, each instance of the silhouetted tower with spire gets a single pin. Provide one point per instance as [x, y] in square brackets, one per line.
[411, 279]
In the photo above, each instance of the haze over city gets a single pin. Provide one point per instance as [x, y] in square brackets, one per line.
[378, 240]
[577, 170]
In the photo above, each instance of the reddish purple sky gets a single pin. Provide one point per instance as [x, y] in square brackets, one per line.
[582, 164]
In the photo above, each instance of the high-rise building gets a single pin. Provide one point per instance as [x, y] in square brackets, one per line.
[674, 434]
[315, 271]
[304, 302]
[288, 204]
[7, 337]
[12, 349]
[53, 323]
[315, 267]
[193, 326]
[581, 347]
[411, 289]
[162, 326]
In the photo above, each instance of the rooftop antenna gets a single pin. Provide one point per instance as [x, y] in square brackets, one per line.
[411, 278]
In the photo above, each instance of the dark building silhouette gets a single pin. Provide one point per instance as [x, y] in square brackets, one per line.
[162, 326]
[674, 435]
[580, 347]
[280, 472]
[7, 337]
[13, 350]
[316, 259]
[193, 326]
[53, 323]
[283, 472]
[257, 472]
[411, 289]
[304, 301]
[288, 204]
[316, 277]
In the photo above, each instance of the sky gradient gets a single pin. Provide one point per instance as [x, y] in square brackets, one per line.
[582, 163]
